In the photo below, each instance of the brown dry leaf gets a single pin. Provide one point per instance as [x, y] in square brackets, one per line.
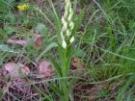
[15, 41]
[76, 63]
[38, 40]
[14, 69]
[25, 70]
[45, 68]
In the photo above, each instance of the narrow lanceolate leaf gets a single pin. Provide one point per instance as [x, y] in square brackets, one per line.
[48, 48]
[6, 48]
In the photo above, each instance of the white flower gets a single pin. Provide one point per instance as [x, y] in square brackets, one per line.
[70, 15]
[68, 33]
[64, 24]
[64, 44]
[72, 39]
[68, 25]
[71, 25]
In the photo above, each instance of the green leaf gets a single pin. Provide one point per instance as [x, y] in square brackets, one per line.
[9, 30]
[49, 47]
[6, 48]
[41, 28]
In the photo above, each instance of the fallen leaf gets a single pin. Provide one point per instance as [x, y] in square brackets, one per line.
[15, 41]
[14, 69]
[76, 63]
[25, 70]
[38, 40]
[45, 68]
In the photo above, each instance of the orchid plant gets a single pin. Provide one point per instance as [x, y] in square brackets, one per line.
[65, 49]
[65, 27]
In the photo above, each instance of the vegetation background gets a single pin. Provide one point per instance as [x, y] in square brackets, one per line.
[98, 66]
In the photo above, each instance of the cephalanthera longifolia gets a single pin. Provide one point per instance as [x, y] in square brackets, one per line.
[68, 25]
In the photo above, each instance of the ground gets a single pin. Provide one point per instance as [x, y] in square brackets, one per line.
[39, 61]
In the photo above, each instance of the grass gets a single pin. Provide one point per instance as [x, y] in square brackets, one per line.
[104, 34]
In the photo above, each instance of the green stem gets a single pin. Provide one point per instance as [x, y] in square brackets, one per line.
[65, 90]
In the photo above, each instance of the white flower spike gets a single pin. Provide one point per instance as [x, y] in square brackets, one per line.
[68, 25]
